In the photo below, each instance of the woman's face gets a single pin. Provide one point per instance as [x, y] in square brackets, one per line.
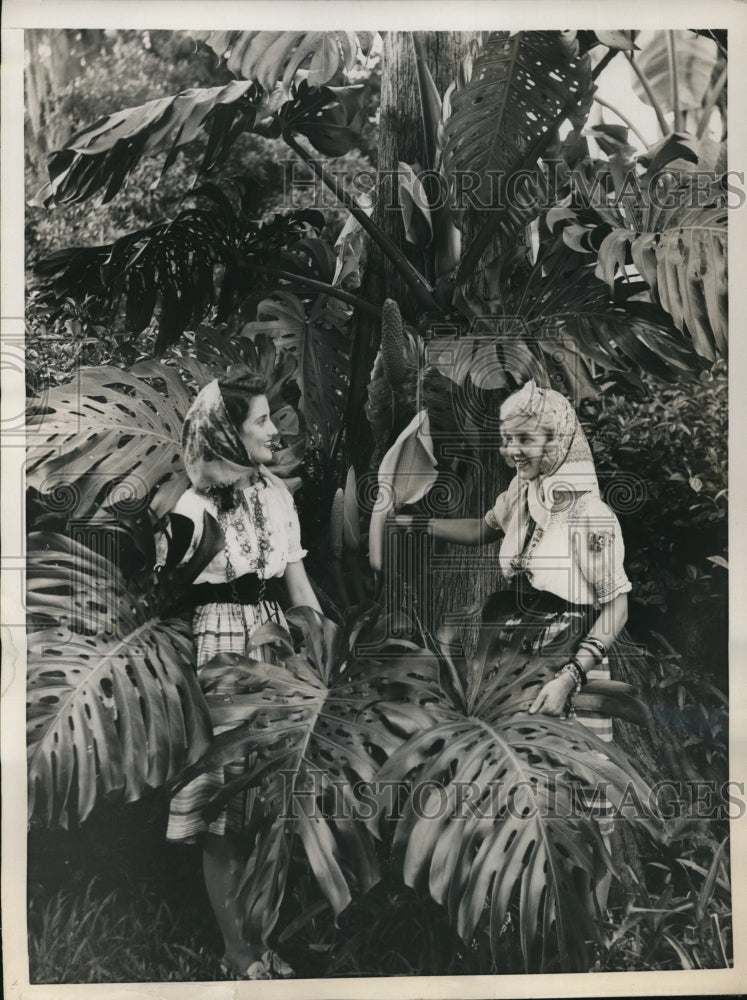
[257, 431]
[523, 445]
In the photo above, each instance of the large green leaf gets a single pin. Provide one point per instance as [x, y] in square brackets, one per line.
[321, 344]
[110, 432]
[101, 155]
[271, 56]
[684, 264]
[556, 320]
[691, 57]
[113, 704]
[656, 215]
[318, 724]
[494, 819]
[170, 268]
[111, 438]
[521, 88]
[495, 816]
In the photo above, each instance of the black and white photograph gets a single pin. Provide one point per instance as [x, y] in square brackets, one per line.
[368, 425]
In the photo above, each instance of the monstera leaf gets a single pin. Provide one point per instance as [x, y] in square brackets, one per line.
[499, 813]
[110, 432]
[684, 264]
[664, 54]
[571, 315]
[169, 269]
[331, 118]
[113, 704]
[658, 217]
[319, 722]
[321, 344]
[111, 438]
[101, 155]
[521, 88]
[271, 56]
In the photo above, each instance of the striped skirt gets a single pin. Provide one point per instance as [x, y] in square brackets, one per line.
[547, 624]
[220, 628]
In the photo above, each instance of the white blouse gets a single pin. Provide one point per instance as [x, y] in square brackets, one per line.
[280, 536]
[578, 557]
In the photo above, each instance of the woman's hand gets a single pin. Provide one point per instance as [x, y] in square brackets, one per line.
[553, 697]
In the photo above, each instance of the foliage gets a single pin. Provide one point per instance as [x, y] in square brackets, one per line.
[321, 345]
[129, 451]
[266, 55]
[666, 225]
[174, 263]
[524, 840]
[112, 704]
[682, 920]
[332, 713]
[662, 464]
[319, 724]
[506, 115]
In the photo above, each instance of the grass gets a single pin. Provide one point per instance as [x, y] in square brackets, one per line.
[87, 935]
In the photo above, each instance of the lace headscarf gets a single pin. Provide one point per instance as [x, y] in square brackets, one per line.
[566, 470]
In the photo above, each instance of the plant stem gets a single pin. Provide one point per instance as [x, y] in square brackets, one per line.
[622, 117]
[674, 81]
[320, 286]
[414, 279]
[649, 94]
[604, 62]
[713, 96]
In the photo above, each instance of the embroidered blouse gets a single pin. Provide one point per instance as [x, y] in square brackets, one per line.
[579, 556]
[264, 543]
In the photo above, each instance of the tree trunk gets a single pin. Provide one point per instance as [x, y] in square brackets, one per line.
[444, 578]
[400, 138]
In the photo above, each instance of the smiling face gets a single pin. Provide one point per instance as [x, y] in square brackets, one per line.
[257, 431]
[523, 445]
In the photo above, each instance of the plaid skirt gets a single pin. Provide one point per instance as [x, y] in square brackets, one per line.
[220, 628]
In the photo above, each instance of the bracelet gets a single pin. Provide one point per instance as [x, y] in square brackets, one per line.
[594, 643]
[573, 667]
[594, 646]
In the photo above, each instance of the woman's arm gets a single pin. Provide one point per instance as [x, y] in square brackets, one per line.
[552, 699]
[300, 591]
[606, 628]
[462, 531]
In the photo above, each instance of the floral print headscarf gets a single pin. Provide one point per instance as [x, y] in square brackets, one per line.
[566, 470]
[213, 452]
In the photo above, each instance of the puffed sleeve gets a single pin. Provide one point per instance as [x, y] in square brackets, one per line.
[497, 517]
[295, 549]
[600, 552]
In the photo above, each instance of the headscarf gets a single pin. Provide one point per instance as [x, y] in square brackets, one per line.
[566, 470]
[213, 452]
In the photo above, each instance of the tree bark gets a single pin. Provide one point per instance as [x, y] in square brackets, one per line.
[444, 578]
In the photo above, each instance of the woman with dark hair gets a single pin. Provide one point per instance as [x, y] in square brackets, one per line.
[227, 444]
